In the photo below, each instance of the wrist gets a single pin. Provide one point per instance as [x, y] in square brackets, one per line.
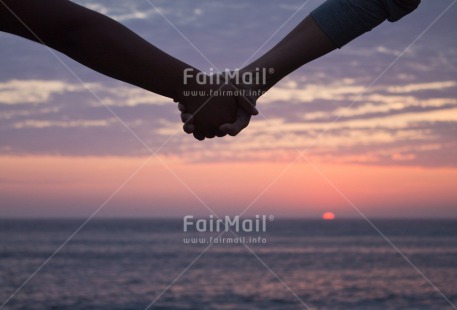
[190, 86]
[245, 82]
[256, 80]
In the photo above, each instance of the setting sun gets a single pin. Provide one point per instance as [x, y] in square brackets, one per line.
[328, 216]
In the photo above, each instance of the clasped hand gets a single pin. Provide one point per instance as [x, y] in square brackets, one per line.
[216, 110]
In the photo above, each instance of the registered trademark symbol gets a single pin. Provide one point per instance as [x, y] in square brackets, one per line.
[272, 218]
[271, 71]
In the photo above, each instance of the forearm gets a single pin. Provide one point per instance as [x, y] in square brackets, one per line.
[115, 51]
[302, 45]
[97, 42]
[330, 26]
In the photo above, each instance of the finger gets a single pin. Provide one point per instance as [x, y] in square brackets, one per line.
[199, 136]
[188, 128]
[241, 122]
[231, 129]
[220, 133]
[211, 135]
[181, 107]
[187, 118]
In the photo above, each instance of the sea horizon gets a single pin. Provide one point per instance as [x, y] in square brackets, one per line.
[131, 264]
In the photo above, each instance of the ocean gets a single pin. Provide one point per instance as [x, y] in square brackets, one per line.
[295, 264]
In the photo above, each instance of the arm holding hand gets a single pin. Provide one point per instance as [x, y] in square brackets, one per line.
[110, 48]
[95, 41]
[332, 25]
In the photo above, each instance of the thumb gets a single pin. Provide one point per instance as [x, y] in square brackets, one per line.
[248, 104]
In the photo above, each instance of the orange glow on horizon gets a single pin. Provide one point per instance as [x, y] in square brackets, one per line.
[328, 216]
[64, 186]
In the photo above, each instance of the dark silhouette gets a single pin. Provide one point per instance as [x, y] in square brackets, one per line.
[110, 48]
[330, 26]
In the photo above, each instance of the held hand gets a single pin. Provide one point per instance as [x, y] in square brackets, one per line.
[232, 129]
[206, 110]
[245, 110]
[243, 117]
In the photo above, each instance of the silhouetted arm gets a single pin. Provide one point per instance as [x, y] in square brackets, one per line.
[110, 48]
[95, 41]
[332, 25]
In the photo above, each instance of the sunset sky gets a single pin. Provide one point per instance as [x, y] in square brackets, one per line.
[367, 130]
